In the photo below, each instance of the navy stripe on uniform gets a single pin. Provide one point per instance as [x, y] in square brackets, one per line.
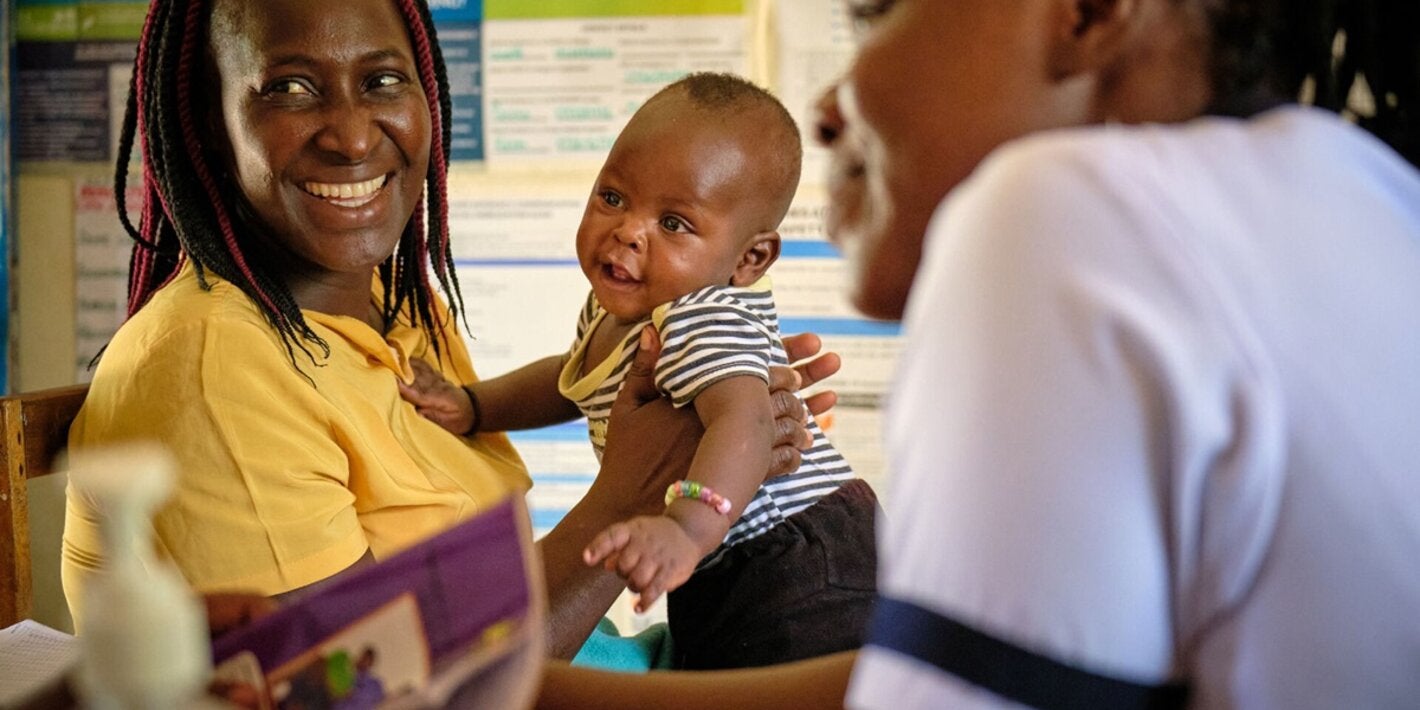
[1005, 669]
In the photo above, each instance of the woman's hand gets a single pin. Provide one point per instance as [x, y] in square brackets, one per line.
[790, 434]
[228, 611]
[660, 441]
[650, 443]
[641, 416]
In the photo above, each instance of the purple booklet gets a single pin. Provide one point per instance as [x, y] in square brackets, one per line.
[413, 630]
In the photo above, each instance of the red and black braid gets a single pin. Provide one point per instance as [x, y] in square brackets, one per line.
[432, 246]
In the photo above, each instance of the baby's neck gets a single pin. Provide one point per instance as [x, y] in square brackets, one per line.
[609, 333]
[618, 324]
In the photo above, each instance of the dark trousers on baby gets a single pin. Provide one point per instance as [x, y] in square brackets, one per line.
[803, 589]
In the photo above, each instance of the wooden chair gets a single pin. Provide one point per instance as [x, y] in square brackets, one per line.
[35, 428]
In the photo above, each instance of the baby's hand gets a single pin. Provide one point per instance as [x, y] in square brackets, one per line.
[652, 553]
[437, 399]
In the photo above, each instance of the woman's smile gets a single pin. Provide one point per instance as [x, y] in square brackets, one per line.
[360, 206]
[347, 194]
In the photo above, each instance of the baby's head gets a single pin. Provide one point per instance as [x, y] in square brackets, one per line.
[691, 195]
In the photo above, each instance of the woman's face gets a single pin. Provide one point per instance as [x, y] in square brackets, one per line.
[933, 88]
[328, 126]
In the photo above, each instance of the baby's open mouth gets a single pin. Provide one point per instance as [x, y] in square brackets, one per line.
[619, 274]
[347, 194]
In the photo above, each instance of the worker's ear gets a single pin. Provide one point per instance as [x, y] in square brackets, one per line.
[1089, 36]
[761, 252]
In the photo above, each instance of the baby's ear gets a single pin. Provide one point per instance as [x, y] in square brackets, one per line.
[761, 252]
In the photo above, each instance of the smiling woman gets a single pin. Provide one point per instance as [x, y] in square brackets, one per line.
[311, 103]
[280, 289]
[330, 139]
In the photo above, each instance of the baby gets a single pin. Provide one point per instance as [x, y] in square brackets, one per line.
[678, 233]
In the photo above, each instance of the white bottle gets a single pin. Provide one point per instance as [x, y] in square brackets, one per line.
[144, 641]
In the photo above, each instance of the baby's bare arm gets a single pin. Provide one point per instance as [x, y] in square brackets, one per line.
[526, 398]
[732, 457]
[656, 554]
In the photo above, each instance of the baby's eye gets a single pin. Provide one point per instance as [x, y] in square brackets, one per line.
[611, 198]
[288, 87]
[672, 223]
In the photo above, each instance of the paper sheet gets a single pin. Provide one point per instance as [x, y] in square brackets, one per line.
[562, 88]
[812, 45]
[32, 656]
[101, 249]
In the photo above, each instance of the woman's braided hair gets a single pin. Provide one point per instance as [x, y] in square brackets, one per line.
[190, 209]
[1330, 46]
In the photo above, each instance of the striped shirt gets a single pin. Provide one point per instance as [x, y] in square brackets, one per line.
[707, 336]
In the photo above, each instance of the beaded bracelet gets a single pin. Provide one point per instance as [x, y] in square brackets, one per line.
[477, 411]
[698, 491]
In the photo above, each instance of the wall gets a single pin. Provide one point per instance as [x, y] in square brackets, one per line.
[540, 90]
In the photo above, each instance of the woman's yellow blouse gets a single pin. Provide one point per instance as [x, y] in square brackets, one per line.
[282, 483]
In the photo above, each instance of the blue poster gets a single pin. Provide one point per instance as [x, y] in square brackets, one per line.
[7, 198]
[460, 27]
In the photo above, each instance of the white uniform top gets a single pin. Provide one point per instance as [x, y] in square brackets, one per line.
[1158, 418]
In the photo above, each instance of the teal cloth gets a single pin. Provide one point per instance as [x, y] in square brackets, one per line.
[607, 649]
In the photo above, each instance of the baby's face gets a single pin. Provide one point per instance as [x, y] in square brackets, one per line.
[672, 210]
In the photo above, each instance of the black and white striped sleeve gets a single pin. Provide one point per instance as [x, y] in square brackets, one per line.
[707, 337]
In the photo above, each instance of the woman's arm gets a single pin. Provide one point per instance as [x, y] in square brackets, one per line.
[813, 683]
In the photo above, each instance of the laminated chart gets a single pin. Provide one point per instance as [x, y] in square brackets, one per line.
[459, 24]
[101, 250]
[812, 45]
[514, 241]
[540, 91]
[564, 76]
[73, 60]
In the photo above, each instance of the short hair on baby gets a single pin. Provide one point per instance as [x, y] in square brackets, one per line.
[733, 94]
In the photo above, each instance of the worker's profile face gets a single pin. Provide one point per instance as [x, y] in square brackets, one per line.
[327, 124]
[934, 86]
